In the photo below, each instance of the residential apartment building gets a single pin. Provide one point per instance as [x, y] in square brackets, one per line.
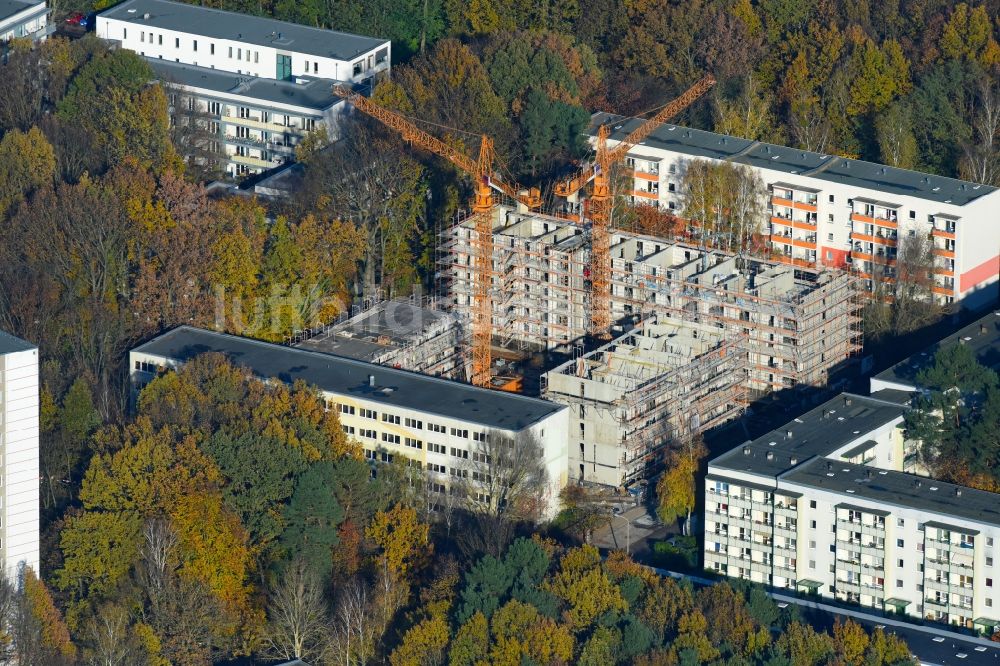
[825, 210]
[19, 489]
[655, 386]
[253, 86]
[821, 505]
[799, 323]
[24, 18]
[433, 422]
[250, 124]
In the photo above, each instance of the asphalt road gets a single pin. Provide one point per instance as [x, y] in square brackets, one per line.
[932, 646]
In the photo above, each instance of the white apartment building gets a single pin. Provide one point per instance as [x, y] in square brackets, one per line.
[834, 211]
[431, 421]
[254, 86]
[18, 454]
[24, 18]
[820, 505]
[240, 43]
[252, 124]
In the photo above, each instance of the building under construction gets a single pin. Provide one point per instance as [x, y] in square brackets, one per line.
[799, 322]
[656, 385]
[412, 334]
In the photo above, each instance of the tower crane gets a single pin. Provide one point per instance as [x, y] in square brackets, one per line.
[481, 170]
[599, 171]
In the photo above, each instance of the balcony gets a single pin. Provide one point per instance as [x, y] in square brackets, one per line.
[809, 242]
[252, 161]
[943, 233]
[653, 196]
[942, 252]
[870, 219]
[809, 206]
[652, 176]
[261, 125]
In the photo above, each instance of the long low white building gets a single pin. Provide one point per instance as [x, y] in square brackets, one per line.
[241, 43]
[390, 412]
[19, 491]
[826, 210]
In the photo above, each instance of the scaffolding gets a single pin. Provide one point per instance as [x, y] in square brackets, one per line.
[657, 385]
[799, 323]
[414, 334]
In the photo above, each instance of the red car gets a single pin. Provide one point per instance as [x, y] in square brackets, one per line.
[75, 19]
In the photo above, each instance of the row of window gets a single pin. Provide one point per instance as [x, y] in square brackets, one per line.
[158, 41]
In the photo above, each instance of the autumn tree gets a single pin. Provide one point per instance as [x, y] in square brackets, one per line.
[506, 483]
[676, 490]
[297, 617]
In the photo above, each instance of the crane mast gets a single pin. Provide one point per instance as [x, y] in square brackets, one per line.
[481, 170]
[599, 172]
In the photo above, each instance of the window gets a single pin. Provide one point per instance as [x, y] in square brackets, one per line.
[357, 68]
[458, 432]
[833, 548]
[436, 448]
[195, 42]
[812, 505]
[434, 467]
[899, 543]
[413, 443]
[211, 48]
[989, 541]
[989, 603]
[124, 33]
[256, 57]
[215, 108]
[315, 68]
[413, 423]
[832, 200]
[368, 434]
[142, 37]
[390, 438]
[812, 544]
[348, 430]
[368, 413]
[913, 214]
[812, 564]
[829, 237]
[434, 427]
[989, 582]
[390, 418]
[900, 522]
[899, 583]
[347, 409]
[989, 561]
[812, 524]
[239, 54]
[899, 563]
[459, 453]
[230, 51]
[481, 436]
[159, 40]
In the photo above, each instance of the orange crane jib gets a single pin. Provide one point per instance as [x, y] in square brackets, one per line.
[611, 156]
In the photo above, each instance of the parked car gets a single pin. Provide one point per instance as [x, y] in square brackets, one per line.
[77, 18]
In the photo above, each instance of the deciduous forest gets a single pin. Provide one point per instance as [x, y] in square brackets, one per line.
[222, 517]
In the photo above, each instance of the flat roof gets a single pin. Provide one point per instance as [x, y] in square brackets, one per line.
[981, 336]
[312, 93]
[232, 26]
[856, 173]
[9, 8]
[818, 432]
[898, 489]
[346, 376]
[10, 344]
[386, 326]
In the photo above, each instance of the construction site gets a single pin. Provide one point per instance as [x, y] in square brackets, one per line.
[410, 334]
[798, 323]
[700, 331]
[660, 383]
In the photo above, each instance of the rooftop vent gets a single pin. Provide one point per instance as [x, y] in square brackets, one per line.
[829, 465]
[788, 434]
[917, 483]
[770, 455]
[794, 460]
[847, 401]
[958, 492]
[746, 450]
[371, 381]
[146, 16]
[982, 329]
[868, 474]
